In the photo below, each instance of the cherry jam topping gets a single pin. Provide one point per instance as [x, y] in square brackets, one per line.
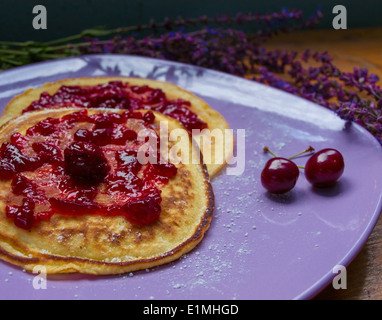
[117, 95]
[12, 161]
[86, 163]
[68, 166]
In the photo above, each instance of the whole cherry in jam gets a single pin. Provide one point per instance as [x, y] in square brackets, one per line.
[145, 209]
[22, 216]
[23, 186]
[325, 167]
[85, 162]
[279, 175]
[149, 117]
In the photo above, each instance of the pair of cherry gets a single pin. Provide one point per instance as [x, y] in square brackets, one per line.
[322, 169]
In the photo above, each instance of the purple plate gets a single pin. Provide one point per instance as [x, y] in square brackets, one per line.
[258, 246]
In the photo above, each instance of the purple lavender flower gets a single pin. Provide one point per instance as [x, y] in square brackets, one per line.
[355, 96]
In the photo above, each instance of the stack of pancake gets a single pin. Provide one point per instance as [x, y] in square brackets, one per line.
[103, 244]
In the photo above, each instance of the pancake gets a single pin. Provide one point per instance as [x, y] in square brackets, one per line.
[216, 143]
[103, 244]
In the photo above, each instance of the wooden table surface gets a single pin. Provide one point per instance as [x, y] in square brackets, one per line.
[361, 48]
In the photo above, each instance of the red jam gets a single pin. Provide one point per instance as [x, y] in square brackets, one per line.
[118, 95]
[82, 164]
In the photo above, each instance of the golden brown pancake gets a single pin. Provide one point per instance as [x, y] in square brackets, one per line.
[216, 143]
[101, 244]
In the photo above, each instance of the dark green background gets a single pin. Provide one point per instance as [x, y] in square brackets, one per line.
[66, 17]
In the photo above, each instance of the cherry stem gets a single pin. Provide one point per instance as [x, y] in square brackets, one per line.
[310, 149]
[266, 149]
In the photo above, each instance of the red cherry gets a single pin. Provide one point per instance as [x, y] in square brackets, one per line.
[149, 117]
[86, 163]
[324, 168]
[144, 210]
[23, 216]
[279, 175]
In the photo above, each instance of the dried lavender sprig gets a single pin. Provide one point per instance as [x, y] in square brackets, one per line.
[22, 53]
[319, 84]
[325, 83]
[239, 53]
[285, 15]
[223, 49]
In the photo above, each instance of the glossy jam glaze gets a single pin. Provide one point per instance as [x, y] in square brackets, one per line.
[82, 164]
[120, 95]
